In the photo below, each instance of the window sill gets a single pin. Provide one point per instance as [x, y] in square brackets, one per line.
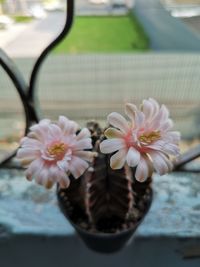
[31, 221]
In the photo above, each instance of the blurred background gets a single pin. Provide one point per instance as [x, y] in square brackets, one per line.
[117, 51]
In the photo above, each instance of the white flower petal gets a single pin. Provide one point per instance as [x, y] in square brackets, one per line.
[85, 143]
[44, 122]
[166, 126]
[133, 157]
[118, 121]
[23, 153]
[112, 145]
[54, 173]
[117, 161]
[165, 112]
[173, 137]
[28, 175]
[39, 127]
[160, 118]
[34, 168]
[64, 180]
[63, 165]
[130, 110]
[33, 135]
[160, 162]
[39, 132]
[30, 143]
[171, 149]
[38, 178]
[139, 119]
[157, 145]
[148, 109]
[73, 127]
[26, 162]
[44, 179]
[54, 132]
[77, 166]
[68, 127]
[86, 155]
[143, 170]
[62, 122]
[113, 133]
[84, 133]
[156, 106]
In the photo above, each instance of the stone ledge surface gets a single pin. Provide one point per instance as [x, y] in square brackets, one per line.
[26, 208]
[35, 251]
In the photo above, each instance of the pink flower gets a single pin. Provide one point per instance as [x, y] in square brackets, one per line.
[52, 151]
[144, 142]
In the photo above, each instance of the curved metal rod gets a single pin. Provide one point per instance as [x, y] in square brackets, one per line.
[37, 66]
[27, 92]
[21, 86]
[187, 157]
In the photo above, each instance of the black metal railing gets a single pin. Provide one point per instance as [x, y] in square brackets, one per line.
[28, 91]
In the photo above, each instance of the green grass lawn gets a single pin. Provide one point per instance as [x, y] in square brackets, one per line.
[104, 34]
[20, 19]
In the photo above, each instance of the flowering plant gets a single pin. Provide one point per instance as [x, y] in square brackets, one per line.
[53, 151]
[144, 142]
[113, 192]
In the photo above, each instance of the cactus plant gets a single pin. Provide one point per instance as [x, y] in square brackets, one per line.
[103, 176]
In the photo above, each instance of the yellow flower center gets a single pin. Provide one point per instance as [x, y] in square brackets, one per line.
[149, 137]
[57, 149]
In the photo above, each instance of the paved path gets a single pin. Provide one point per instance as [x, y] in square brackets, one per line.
[29, 40]
[34, 37]
[9, 34]
[165, 32]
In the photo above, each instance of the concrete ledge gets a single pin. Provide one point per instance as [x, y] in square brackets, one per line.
[33, 231]
[32, 251]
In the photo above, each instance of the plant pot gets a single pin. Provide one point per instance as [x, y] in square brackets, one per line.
[104, 242]
[105, 206]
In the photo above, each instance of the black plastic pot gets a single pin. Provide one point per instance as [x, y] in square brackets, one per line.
[103, 242]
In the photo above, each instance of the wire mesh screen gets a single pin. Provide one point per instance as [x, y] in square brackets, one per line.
[90, 86]
[12, 119]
